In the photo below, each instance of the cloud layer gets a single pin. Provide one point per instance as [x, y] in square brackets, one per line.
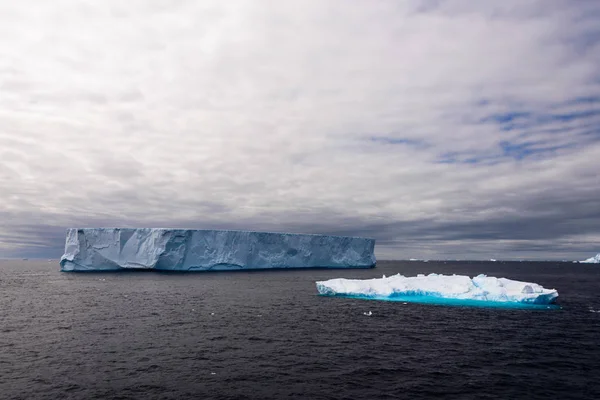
[444, 129]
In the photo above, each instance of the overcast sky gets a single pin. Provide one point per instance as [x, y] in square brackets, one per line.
[444, 129]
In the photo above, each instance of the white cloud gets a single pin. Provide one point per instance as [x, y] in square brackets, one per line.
[290, 115]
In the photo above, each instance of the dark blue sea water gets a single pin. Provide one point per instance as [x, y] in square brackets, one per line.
[268, 335]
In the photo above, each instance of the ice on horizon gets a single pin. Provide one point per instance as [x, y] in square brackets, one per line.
[434, 287]
[592, 260]
[111, 249]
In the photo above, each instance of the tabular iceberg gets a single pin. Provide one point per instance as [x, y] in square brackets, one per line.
[432, 287]
[592, 260]
[105, 249]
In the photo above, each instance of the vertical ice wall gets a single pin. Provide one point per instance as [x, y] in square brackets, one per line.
[100, 249]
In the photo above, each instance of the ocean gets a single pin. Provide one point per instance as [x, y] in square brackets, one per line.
[269, 335]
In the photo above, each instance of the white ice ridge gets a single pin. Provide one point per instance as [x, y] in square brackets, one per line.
[102, 249]
[592, 260]
[458, 287]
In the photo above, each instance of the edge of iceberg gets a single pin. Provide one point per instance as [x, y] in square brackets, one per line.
[592, 260]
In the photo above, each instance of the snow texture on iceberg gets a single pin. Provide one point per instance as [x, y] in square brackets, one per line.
[433, 286]
[592, 260]
[105, 249]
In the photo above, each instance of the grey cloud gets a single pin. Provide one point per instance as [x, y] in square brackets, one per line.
[312, 116]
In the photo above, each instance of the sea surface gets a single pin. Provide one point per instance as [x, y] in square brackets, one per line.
[268, 335]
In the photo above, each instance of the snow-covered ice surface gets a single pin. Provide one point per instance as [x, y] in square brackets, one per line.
[592, 260]
[481, 290]
[108, 249]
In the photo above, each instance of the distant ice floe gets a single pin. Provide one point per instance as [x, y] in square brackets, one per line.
[592, 260]
[434, 288]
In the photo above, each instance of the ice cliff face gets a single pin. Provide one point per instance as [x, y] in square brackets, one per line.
[592, 260]
[104, 249]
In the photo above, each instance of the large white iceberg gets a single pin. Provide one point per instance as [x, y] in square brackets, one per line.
[105, 249]
[433, 286]
[592, 260]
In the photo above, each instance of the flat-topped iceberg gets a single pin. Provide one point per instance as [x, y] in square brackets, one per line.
[434, 288]
[592, 260]
[106, 249]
